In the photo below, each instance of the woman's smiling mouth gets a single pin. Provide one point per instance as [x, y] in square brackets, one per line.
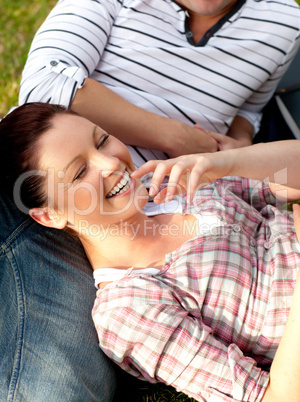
[121, 187]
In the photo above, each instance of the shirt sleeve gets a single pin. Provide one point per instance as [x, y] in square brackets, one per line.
[143, 327]
[66, 50]
[253, 117]
[252, 108]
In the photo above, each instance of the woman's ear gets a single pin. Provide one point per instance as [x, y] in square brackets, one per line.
[47, 217]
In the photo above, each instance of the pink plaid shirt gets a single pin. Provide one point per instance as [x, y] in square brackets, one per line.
[214, 315]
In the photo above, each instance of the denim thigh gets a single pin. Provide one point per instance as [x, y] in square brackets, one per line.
[49, 348]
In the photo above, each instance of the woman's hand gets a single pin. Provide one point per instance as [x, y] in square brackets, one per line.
[186, 174]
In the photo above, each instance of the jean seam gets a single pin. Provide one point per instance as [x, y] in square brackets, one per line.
[4, 247]
[21, 326]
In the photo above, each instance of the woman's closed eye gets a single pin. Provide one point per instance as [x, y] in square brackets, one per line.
[83, 169]
[81, 173]
[102, 141]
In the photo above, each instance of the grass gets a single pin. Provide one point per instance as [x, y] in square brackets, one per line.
[159, 393]
[133, 390]
[19, 20]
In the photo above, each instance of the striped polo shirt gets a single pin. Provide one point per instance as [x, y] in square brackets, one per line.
[145, 52]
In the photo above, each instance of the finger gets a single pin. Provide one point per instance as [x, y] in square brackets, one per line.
[160, 172]
[195, 181]
[161, 196]
[144, 169]
[217, 136]
[177, 179]
[296, 215]
[164, 195]
[193, 185]
[224, 141]
[198, 127]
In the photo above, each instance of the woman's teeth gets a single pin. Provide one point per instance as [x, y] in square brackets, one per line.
[122, 186]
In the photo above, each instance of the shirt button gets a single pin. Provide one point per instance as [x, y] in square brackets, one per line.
[53, 63]
[252, 242]
[189, 34]
[267, 244]
[236, 228]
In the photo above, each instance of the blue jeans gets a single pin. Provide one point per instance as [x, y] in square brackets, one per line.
[49, 349]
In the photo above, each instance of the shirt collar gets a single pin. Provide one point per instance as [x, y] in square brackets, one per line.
[218, 25]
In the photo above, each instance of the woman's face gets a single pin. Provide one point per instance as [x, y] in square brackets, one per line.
[88, 172]
[208, 7]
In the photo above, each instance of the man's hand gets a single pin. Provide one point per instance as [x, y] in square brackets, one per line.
[184, 139]
[239, 134]
[224, 141]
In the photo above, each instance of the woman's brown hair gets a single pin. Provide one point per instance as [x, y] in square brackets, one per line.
[20, 132]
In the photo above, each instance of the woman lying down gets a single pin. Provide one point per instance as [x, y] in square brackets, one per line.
[203, 294]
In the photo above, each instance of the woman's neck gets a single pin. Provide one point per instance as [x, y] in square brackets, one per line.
[142, 242]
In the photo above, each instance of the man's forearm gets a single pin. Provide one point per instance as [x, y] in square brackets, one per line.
[242, 130]
[117, 116]
[136, 126]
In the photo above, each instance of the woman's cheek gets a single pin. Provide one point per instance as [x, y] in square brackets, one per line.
[83, 200]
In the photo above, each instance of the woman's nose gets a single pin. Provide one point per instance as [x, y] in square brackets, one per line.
[107, 164]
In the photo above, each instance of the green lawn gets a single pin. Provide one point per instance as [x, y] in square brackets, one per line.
[19, 20]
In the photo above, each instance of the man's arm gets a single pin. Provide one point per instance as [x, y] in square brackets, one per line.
[136, 126]
[241, 130]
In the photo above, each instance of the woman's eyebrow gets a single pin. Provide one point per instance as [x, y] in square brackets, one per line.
[79, 155]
